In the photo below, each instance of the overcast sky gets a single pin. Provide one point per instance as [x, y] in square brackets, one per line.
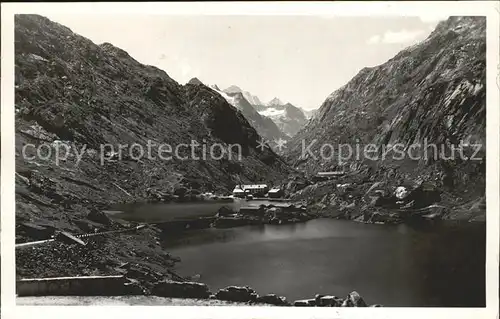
[300, 59]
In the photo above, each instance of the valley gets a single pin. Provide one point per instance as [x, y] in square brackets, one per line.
[350, 231]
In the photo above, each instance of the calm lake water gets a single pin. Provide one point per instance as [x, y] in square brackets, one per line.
[440, 265]
[391, 265]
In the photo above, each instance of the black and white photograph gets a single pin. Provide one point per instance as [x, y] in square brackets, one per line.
[267, 160]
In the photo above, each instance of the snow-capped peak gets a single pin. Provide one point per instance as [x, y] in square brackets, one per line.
[233, 89]
[252, 99]
[275, 102]
[229, 99]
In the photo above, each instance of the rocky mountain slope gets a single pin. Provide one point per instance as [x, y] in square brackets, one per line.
[92, 99]
[252, 99]
[265, 126]
[433, 92]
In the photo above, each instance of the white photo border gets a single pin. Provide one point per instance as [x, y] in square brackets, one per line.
[490, 9]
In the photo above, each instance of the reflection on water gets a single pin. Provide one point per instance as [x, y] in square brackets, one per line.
[162, 212]
[392, 265]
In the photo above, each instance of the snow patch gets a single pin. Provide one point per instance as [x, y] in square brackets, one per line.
[477, 88]
[272, 112]
[231, 100]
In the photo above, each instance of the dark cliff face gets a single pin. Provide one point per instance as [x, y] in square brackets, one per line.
[433, 92]
[71, 90]
[293, 120]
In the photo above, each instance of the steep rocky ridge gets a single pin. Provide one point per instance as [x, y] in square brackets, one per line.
[433, 92]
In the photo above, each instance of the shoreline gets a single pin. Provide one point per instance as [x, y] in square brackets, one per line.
[145, 273]
[101, 289]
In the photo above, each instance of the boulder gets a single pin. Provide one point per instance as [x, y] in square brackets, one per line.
[180, 289]
[328, 301]
[305, 303]
[317, 298]
[272, 299]
[239, 294]
[354, 300]
[401, 192]
[376, 305]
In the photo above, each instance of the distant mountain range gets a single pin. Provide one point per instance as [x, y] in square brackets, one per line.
[274, 102]
[288, 118]
[252, 99]
[265, 126]
[100, 95]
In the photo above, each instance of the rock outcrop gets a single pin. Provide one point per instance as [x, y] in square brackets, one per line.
[174, 289]
[353, 300]
[239, 294]
[328, 301]
[252, 99]
[272, 299]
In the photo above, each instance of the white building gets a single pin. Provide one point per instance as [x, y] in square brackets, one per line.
[257, 189]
